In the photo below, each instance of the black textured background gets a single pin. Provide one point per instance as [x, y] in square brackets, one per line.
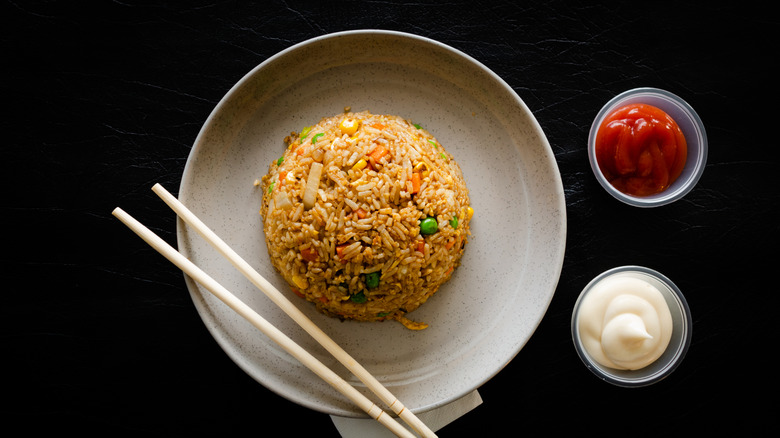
[103, 99]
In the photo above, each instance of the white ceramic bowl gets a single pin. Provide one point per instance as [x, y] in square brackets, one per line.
[484, 315]
[678, 345]
[690, 124]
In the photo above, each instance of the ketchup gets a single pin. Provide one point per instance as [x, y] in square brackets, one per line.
[640, 149]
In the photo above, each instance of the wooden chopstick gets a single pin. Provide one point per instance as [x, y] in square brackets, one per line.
[280, 300]
[264, 326]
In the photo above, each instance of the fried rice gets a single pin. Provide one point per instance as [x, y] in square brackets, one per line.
[365, 216]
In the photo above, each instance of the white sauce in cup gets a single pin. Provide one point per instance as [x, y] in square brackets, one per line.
[624, 323]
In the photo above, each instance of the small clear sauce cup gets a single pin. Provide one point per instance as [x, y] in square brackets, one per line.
[690, 124]
[675, 351]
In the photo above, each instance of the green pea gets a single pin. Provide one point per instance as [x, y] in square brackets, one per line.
[372, 280]
[359, 297]
[429, 225]
[454, 222]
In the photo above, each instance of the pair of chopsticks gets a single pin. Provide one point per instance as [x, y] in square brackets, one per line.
[271, 331]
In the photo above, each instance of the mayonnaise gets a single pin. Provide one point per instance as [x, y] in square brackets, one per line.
[624, 323]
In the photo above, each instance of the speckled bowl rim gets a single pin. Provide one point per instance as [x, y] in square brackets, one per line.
[481, 318]
[693, 129]
[678, 346]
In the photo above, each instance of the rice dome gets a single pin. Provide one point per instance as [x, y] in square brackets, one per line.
[365, 216]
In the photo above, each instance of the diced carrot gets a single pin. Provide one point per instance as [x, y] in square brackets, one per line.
[309, 254]
[420, 245]
[416, 182]
[323, 299]
[361, 213]
[282, 176]
[450, 244]
[378, 125]
[340, 250]
[378, 153]
[297, 292]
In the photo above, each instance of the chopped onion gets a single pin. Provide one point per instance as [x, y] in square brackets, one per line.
[312, 184]
[281, 201]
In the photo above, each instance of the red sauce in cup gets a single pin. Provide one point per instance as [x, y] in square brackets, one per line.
[640, 149]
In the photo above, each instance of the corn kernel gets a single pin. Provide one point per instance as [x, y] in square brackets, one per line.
[422, 167]
[470, 211]
[349, 126]
[360, 164]
[300, 281]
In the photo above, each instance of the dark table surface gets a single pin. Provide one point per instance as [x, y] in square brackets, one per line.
[104, 99]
